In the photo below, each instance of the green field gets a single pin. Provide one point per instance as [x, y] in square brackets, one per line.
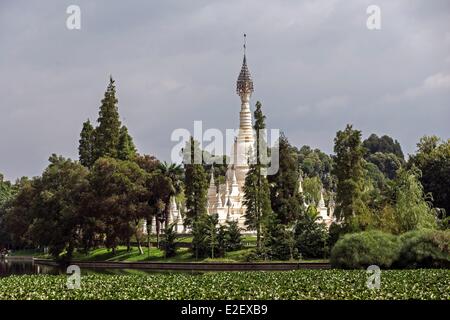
[302, 284]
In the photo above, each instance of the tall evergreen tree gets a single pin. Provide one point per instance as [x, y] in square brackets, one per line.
[86, 146]
[196, 182]
[126, 150]
[256, 188]
[348, 170]
[284, 194]
[233, 236]
[107, 134]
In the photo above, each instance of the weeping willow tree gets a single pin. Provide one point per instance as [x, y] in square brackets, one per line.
[412, 210]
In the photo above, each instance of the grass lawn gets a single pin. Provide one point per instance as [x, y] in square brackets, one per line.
[296, 285]
[157, 255]
[247, 239]
[26, 253]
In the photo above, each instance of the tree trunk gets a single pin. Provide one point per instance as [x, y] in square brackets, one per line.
[258, 235]
[149, 230]
[158, 226]
[70, 251]
[141, 252]
[166, 213]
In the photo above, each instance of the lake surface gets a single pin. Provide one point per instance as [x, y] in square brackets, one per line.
[10, 267]
[19, 267]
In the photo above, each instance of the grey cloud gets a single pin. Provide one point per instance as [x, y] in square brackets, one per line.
[315, 66]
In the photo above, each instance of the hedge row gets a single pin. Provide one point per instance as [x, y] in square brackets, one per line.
[414, 249]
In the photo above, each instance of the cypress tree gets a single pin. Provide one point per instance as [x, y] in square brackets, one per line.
[107, 133]
[348, 170]
[284, 195]
[256, 187]
[86, 146]
[196, 182]
[126, 149]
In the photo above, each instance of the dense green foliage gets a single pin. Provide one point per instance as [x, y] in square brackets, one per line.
[348, 170]
[405, 207]
[284, 185]
[292, 285]
[87, 145]
[195, 181]
[7, 194]
[311, 189]
[387, 163]
[418, 248]
[315, 163]
[172, 179]
[211, 240]
[49, 210]
[425, 249]
[411, 209]
[256, 187]
[311, 236]
[360, 250]
[385, 144]
[126, 150]
[107, 134]
[104, 199]
[121, 199]
[169, 244]
[433, 159]
[232, 236]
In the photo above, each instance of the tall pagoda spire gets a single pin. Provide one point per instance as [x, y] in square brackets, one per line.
[244, 84]
[244, 88]
[245, 138]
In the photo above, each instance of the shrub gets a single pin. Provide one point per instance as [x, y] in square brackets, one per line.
[425, 249]
[233, 236]
[360, 250]
[169, 243]
[311, 238]
[335, 232]
[279, 243]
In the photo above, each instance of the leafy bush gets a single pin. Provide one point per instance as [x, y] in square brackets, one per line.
[335, 232]
[279, 243]
[233, 236]
[169, 243]
[360, 250]
[311, 238]
[425, 249]
[211, 240]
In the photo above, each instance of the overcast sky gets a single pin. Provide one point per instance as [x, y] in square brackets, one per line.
[315, 65]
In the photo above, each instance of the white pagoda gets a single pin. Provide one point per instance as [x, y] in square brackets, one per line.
[226, 200]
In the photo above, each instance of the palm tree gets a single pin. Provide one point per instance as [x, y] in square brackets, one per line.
[174, 177]
[160, 187]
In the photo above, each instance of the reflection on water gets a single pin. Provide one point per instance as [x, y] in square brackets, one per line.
[9, 267]
[27, 266]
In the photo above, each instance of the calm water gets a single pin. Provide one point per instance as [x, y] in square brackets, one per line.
[10, 267]
[20, 267]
